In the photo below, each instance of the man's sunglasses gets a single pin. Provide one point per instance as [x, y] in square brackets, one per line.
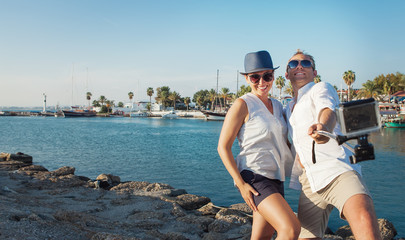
[255, 78]
[304, 63]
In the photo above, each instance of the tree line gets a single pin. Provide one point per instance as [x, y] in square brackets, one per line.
[378, 88]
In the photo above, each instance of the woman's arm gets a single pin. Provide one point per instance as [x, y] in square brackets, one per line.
[234, 120]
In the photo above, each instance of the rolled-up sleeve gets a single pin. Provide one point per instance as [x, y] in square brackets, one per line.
[324, 97]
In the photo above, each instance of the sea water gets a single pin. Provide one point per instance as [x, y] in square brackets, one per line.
[183, 154]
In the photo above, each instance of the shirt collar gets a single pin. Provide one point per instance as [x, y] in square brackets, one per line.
[304, 90]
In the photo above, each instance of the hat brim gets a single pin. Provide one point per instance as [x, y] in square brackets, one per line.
[258, 70]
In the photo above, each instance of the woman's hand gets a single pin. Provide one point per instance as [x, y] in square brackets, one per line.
[246, 190]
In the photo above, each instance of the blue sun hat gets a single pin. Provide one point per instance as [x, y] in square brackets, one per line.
[258, 61]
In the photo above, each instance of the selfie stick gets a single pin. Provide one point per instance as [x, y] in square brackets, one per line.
[363, 151]
[340, 139]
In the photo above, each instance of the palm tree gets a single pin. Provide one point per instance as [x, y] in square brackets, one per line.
[162, 95]
[88, 97]
[131, 96]
[244, 89]
[200, 100]
[102, 100]
[317, 79]
[96, 103]
[388, 86]
[109, 104]
[280, 83]
[150, 92]
[289, 89]
[187, 101]
[174, 96]
[369, 89]
[402, 82]
[349, 77]
[225, 95]
[212, 94]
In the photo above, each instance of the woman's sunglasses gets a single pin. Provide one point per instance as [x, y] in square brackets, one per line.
[304, 63]
[255, 78]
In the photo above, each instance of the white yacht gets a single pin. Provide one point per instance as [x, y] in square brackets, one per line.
[139, 114]
[170, 115]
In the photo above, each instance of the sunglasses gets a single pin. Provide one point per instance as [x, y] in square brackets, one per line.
[255, 78]
[304, 63]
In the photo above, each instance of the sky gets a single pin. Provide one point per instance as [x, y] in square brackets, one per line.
[65, 48]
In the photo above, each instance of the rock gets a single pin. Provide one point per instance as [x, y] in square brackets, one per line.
[109, 236]
[154, 187]
[188, 201]
[219, 226]
[149, 189]
[172, 192]
[344, 232]
[19, 156]
[167, 236]
[387, 229]
[63, 171]
[32, 170]
[243, 207]
[200, 222]
[12, 165]
[38, 204]
[331, 237]
[7, 189]
[130, 187]
[178, 211]
[233, 216]
[107, 181]
[69, 181]
[4, 156]
[209, 209]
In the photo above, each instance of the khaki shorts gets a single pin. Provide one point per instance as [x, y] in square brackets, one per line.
[314, 208]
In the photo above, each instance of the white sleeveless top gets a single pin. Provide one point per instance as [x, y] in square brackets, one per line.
[263, 140]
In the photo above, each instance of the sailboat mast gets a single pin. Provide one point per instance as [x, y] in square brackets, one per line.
[44, 105]
[216, 95]
[73, 69]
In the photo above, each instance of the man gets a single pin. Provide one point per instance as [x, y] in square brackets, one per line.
[327, 177]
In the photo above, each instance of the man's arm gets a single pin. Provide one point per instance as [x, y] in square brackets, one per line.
[326, 122]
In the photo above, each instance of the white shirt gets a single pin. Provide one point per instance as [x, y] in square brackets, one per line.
[331, 159]
[263, 140]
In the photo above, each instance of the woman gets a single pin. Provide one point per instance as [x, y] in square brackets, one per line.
[259, 169]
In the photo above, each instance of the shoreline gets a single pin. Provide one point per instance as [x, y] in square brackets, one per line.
[42, 204]
[153, 114]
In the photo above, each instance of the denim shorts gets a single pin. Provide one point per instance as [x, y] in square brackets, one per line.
[263, 185]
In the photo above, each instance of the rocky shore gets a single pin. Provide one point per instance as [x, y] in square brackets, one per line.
[39, 204]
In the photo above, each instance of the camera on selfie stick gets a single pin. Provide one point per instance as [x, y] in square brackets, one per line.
[357, 119]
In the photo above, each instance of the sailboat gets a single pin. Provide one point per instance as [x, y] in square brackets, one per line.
[76, 111]
[214, 115]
